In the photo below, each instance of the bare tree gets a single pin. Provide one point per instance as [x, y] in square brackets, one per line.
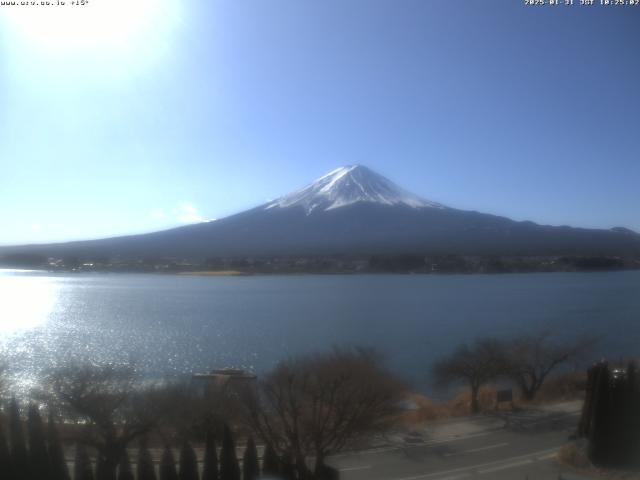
[531, 358]
[107, 401]
[475, 364]
[186, 414]
[314, 406]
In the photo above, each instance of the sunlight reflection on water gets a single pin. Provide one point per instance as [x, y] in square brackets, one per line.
[175, 325]
[26, 302]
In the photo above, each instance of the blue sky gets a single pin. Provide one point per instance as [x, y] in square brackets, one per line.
[127, 117]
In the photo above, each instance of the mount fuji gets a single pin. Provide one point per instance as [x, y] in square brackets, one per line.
[351, 211]
[347, 186]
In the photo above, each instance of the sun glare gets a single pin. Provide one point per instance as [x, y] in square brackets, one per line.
[26, 302]
[110, 26]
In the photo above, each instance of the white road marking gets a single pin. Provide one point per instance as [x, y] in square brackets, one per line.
[449, 439]
[351, 469]
[373, 451]
[455, 477]
[528, 458]
[480, 449]
[506, 466]
[549, 456]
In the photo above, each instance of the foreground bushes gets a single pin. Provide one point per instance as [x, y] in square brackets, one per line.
[611, 416]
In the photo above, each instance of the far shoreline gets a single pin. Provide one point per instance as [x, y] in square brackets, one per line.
[212, 273]
[238, 273]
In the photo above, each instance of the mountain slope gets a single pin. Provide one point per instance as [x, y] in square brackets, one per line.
[352, 210]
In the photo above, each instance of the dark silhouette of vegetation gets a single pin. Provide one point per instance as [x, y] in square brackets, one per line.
[270, 462]
[125, 472]
[288, 469]
[592, 263]
[108, 401]
[24, 260]
[250, 465]
[210, 467]
[611, 416]
[475, 364]
[38, 454]
[145, 469]
[19, 454]
[397, 263]
[59, 469]
[188, 462]
[168, 465]
[5, 455]
[229, 467]
[528, 360]
[105, 470]
[318, 405]
[83, 469]
[328, 473]
[531, 358]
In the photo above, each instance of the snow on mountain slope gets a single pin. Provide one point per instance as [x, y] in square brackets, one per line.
[346, 186]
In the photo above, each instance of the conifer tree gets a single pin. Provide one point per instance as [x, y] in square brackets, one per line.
[19, 455]
[82, 469]
[229, 467]
[587, 407]
[270, 462]
[600, 431]
[611, 417]
[125, 472]
[287, 469]
[59, 469]
[145, 469]
[210, 469]
[38, 456]
[103, 471]
[250, 466]
[188, 462]
[168, 465]
[632, 378]
[632, 424]
[5, 455]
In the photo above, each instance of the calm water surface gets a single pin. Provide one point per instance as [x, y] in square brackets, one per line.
[181, 324]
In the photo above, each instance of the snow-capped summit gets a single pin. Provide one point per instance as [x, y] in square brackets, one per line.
[346, 186]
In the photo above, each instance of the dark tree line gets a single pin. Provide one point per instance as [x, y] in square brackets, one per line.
[35, 456]
[611, 416]
[39, 455]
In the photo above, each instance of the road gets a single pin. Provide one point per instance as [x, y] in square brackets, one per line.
[506, 446]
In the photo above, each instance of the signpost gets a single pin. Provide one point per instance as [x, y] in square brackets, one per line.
[503, 396]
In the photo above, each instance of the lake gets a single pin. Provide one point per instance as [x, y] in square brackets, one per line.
[167, 323]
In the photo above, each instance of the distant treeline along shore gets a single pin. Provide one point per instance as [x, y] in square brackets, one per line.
[407, 263]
